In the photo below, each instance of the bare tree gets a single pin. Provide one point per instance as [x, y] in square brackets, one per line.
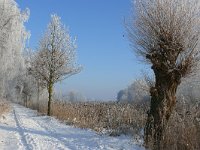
[55, 59]
[166, 34]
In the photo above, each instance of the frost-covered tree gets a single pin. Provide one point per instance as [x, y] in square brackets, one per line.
[25, 88]
[138, 91]
[189, 89]
[13, 36]
[74, 97]
[34, 79]
[166, 34]
[55, 59]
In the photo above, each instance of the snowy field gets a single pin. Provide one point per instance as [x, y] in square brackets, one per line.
[22, 129]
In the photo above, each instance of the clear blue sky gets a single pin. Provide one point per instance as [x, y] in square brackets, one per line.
[108, 61]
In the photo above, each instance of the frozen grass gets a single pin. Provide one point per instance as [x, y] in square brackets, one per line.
[183, 132]
[4, 107]
[115, 118]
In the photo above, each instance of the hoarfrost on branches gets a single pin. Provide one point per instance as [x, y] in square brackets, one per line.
[55, 59]
[13, 36]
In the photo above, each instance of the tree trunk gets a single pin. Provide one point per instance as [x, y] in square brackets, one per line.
[50, 91]
[38, 95]
[163, 101]
[25, 101]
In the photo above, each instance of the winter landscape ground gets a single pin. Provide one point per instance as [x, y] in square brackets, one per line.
[23, 129]
[39, 52]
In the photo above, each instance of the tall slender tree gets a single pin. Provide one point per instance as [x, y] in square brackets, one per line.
[55, 59]
[166, 34]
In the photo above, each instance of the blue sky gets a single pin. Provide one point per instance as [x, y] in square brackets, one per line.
[108, 61]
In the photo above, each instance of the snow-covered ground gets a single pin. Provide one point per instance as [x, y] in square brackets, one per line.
[23, 129]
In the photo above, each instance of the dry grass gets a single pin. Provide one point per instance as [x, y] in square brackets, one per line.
[115, 118]
[183, 132]
[4, 107]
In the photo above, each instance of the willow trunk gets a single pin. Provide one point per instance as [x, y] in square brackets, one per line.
[163, 101]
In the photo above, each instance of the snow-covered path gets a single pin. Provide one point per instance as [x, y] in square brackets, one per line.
[23, 129]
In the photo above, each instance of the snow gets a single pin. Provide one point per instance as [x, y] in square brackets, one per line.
[23, 129]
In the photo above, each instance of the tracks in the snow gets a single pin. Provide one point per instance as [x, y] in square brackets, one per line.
[56, 136]
[23, 129]
[26, 140]
[37, 129]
